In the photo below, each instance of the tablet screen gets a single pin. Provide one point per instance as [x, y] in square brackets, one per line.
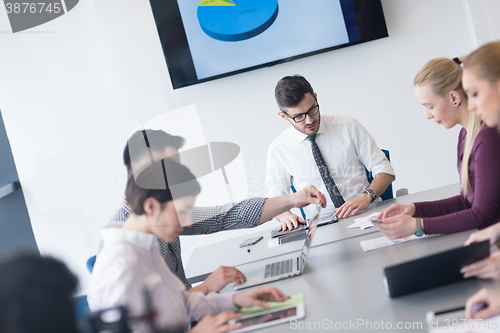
[268, 317]
[329, 218]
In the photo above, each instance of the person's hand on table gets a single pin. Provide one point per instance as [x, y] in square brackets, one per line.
[289, 221]
[217, 324]
[397, 209]
[492, 233]
[355, 206]
[488, 268]
[308, 195]
[259, 296]
[396, 227]
[487, 296]
[220, 278]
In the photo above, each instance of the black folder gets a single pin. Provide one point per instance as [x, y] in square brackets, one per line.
[433, 271]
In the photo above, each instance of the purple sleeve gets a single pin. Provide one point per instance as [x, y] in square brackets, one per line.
[460, 215]
[441, 207]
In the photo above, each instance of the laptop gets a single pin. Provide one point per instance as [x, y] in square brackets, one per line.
[282, 266]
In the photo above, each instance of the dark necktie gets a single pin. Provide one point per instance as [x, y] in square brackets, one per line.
[332, 189]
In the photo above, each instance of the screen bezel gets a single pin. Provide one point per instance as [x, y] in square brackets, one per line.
[369, 15]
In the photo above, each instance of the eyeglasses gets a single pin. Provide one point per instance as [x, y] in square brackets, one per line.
[302, 116]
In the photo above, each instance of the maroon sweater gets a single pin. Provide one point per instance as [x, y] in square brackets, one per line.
[481, 207]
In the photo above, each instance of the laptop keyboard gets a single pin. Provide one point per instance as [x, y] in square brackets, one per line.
[280, 267]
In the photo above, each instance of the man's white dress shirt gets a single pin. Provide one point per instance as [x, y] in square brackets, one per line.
[131, 261]
[347, 148]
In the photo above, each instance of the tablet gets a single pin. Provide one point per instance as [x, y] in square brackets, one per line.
[323, 220]
[257, 318]
[432, 271]
[327, 219]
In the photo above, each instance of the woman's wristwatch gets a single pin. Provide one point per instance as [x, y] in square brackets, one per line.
[419, 232]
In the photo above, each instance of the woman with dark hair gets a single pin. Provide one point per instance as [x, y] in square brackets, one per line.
[36, 295]
[161, 199]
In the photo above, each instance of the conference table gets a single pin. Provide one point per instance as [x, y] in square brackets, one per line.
[342, 284]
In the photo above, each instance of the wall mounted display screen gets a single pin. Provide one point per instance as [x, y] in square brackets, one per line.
[209, 39]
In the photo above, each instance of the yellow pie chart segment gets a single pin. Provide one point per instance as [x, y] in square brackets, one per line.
[217, 3]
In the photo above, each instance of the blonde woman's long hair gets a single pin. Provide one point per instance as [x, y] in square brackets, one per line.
[444, 75]
[485, 63]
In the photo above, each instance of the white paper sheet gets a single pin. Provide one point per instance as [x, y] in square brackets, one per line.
[273, 242]
[381, 242]
[363, 222]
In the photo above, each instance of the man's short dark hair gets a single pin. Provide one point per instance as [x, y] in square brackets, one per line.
[36, 295]
[157, 140]
[290, 91]
[157, 181]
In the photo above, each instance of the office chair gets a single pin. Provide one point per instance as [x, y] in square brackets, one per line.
[90, 264]
[82, 312]
[388, 192]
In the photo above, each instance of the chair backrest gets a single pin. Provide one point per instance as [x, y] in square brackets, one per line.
[81, 313]
[388, 192]
[90, 264]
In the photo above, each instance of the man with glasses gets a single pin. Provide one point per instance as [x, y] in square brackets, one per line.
[327, 151]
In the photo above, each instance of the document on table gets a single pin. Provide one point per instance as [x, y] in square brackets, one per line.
[381, 242]
[468, 326]
[273, 242]
[363, 222]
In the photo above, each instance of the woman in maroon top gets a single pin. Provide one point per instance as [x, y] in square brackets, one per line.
[481, 80]
[438, 87]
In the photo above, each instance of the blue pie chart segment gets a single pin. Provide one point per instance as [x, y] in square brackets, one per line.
[236, 20]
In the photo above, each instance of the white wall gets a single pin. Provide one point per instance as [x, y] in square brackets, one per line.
[72, 90]
[483, 14]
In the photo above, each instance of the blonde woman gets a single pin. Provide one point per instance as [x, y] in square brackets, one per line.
[481, 79]
[438, 88]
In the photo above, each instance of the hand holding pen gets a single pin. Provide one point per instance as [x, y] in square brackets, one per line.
[483, 305]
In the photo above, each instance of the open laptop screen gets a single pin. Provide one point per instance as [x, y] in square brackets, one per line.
[310, 234]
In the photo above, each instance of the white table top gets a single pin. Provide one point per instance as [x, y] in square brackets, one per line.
[342, 284]
[208, 258]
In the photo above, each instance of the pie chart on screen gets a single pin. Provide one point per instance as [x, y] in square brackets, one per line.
[236, 20]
